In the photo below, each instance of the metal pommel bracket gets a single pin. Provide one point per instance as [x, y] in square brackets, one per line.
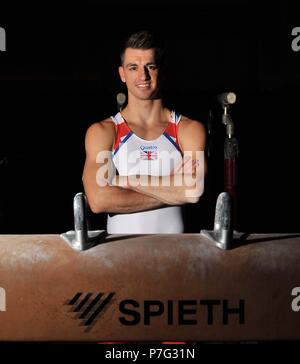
[81, 238]
[222, 233]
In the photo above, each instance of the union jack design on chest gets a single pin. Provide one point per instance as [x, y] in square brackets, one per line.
[148, 155]
[123, 134]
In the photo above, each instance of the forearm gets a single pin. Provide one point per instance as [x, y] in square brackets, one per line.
[120, 200]
[172, 190]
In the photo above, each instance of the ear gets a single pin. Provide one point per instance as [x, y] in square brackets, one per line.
[122, 74]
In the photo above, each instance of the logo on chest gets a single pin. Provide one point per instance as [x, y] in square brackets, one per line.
[148, 152]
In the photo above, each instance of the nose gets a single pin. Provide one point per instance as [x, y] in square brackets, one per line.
[144, 73]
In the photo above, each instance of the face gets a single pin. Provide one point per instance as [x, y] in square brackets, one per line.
[140, 72]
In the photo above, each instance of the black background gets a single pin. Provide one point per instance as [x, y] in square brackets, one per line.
[59, 75]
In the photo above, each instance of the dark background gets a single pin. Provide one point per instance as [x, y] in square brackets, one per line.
[59, 75]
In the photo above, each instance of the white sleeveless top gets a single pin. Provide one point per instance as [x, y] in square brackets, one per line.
[133, 155]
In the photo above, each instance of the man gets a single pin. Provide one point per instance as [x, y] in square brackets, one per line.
[150, 146]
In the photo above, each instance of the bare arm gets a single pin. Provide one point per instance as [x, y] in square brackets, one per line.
[180, 187]
[101, 196]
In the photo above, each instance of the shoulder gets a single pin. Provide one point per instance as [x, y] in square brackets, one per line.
[100, 134]
[104, 128]
[188, 125]
[191, 131]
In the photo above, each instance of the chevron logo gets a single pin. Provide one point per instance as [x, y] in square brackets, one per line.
[87, 308]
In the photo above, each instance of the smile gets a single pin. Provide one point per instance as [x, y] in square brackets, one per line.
[143, 85]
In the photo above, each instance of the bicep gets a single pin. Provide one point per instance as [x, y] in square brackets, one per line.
[98, 162]
[192, 142]
[192, 136]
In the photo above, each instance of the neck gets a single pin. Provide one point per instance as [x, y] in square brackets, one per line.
[145, 111]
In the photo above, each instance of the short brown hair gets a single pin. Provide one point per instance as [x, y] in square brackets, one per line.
[145, 40]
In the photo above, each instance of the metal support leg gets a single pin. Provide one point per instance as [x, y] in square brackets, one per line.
[81, 238]
[222, 233]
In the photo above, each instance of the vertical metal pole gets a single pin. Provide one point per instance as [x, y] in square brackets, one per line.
[230, 164]
[80, 221]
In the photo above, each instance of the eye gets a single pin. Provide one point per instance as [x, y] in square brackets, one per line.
[152, 67]
[132, 68]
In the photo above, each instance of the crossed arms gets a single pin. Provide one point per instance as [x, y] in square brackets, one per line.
[139, 193]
